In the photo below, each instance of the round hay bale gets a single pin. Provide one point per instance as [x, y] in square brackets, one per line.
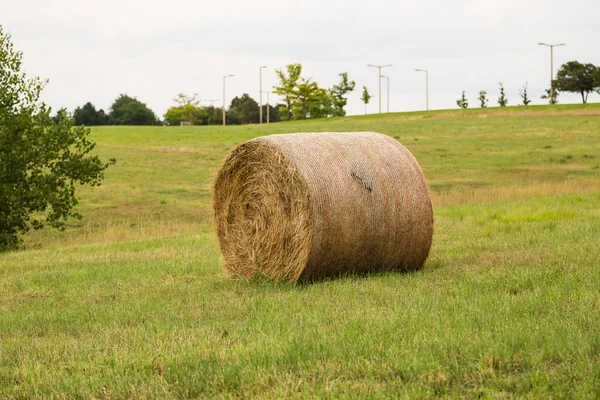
[305, 206]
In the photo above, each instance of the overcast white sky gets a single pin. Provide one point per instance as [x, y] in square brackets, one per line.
[93, 51]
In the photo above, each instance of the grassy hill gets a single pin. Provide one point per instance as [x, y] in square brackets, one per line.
[132, 301]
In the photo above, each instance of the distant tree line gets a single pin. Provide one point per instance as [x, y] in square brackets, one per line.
[573, 77]
[302, 98]
[242, 110]
[125, 110]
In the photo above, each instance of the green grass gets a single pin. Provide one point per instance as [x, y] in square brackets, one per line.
[132, 301]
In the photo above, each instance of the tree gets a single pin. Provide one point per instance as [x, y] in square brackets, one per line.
[187, 110]
[523, 94]
[338, 93]
[462, 102]
[576, 77]
[502, 100]
[244, 110]
[554, 99]
[41, 161]
[483, 99]
[130, 111]
[366, 97]
[215, 115]
[306, 96]
[89, 116]
[287, 86]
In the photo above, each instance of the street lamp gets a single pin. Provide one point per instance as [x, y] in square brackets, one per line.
[379, 67]
[260, 89]
[225, 77]
[212, 101]
[267, 92]
[388, 92]
[552, 46]
[426, 87]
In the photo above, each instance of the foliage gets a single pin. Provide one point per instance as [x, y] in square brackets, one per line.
[187, 110]
[523, 93]
[502, 100]
[462, 102]
[483, 99]
[307, 96]
[41, 160]
[243, 110]
[274, 115]
[127, 110]
[287, 86]
[338, 93]
[89, 116]
[554, 99]
[366, 97]
[576, 77]
[215, 115]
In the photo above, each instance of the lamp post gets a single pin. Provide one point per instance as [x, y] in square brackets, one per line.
[225, 77]
[388, 92]
[552, 46]
[379, 67]
[268, 92]
[212, 101]
[426, 87]
[260, 90]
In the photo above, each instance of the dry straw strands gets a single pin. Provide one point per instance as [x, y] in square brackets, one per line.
[305, 206]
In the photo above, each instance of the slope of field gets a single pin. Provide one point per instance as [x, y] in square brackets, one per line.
[132, 301]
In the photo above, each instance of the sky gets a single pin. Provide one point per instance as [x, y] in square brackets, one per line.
[153, 50]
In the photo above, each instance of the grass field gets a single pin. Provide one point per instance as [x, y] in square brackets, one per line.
[132, 300]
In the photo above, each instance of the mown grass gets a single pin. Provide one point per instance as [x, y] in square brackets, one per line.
[132, 301]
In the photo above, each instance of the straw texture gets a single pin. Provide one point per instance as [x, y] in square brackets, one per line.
[306, 206]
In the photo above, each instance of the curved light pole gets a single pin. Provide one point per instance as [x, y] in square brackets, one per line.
[388, 92]
[379, 67]
[260, 90]
[552, 46]
[426, 87]
[225, 77]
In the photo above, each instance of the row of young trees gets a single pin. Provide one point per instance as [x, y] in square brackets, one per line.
[573, 77]
[463, 102]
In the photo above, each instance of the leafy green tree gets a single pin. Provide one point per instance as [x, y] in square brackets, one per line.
[130, 111]
[41, 161]
[338, 94]
[576, 77]
[215, 115]
[483, 99]
[366, 97]
[274, 115]
[89, 116]
[554, 99]
[306, 96]
[323, 106]
[462, 102]
[523, 94]
[287, 86]
[502, 100]
[187, 110]
[243, 110]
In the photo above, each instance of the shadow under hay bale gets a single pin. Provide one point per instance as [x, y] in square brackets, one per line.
[307, 206]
